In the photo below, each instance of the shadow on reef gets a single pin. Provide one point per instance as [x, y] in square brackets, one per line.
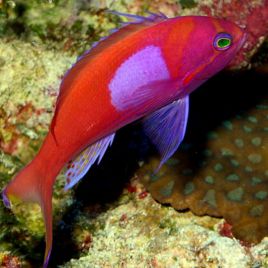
[221, 98]
[221, 168]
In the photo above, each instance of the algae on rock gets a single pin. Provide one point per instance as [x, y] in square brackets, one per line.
[39, 39]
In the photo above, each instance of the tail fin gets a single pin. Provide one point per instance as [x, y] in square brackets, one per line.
[31, 185]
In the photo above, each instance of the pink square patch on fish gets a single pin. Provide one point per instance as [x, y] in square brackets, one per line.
[142, 68]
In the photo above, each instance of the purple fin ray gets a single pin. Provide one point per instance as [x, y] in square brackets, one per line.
[45, 265]
[153, 17]
[5, 199]
[166, 127]
[79, 166]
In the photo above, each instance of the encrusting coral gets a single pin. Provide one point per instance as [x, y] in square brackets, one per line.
[38, 43]
[224, 172]
[139, 232]
[249, 14]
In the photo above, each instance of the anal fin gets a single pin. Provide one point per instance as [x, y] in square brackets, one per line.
[79, 166]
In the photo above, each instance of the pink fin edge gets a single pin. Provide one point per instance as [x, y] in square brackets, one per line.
[47, 257]
[152, 16]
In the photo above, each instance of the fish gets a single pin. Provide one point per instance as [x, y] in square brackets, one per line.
[144, 70]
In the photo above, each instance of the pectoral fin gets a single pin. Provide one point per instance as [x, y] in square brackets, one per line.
[166, 127]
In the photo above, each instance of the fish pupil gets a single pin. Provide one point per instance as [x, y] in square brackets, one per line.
[223, 42]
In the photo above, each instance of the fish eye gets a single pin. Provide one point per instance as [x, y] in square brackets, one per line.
[222, 41]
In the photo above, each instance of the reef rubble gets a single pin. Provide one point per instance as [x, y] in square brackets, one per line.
[39, 42]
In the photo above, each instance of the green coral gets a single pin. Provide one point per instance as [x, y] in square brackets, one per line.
[28, 72]
[8, 165]
[64, 24]
[30, 77]
[188, 3]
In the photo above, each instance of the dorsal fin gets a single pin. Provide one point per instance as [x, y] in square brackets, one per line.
[135, 24]
[126, 29]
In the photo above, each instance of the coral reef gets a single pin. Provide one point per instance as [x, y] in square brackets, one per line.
[9, 261]
[65, 25]
[26, 103]
[39, 42]
[26, 107]
[225, 172]
[141, 231]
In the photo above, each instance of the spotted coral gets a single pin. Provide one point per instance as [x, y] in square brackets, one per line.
[225, 173]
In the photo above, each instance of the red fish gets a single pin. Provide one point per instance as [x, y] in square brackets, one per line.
[144, 70]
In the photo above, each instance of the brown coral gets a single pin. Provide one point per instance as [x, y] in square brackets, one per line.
[226, 173]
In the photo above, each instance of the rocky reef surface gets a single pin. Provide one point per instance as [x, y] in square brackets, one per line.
[110, 220]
